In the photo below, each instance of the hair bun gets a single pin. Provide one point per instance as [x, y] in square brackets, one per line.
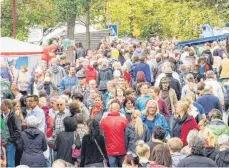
[140, 143]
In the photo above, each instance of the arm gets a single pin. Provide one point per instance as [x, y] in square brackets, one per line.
[165, 126]
[126, 133]
[165, 109]
[3, 159]
[57, 143]
[44, 144]
[218, 106]
[40, 85]
[62, 87]
[148, 136]
[179, 90]
[147, 73]
[53, 86]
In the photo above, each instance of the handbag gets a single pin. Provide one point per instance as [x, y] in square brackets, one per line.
[105, 163]
[76, 147]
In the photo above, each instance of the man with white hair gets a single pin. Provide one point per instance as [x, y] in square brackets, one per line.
[57, 72]
[58, 125]
[208, 100]
[222, 159]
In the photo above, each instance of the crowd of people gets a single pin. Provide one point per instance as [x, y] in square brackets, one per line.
[145, 104]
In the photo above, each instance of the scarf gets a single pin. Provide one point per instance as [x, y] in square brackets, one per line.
[96, 109]
[178, 125]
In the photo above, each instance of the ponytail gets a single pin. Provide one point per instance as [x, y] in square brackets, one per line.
[139, 126]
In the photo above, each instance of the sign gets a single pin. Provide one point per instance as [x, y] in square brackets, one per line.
[114, 30]
[35, 35]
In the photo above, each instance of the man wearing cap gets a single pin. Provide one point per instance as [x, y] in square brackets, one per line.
[69, 81]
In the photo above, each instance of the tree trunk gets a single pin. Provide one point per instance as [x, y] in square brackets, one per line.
[88, 25]
[227, 47]
[70, 36]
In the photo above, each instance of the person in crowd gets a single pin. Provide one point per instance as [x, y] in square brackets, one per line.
[23, 80]
[57, 72]
[33, 102]
[113, 125]
[16, 93]
[183, 122]
[82, 87]
[109, 94]
[92, 84]
[143, 98]
[216, 124]
[169, 96]
[143, 152]
[210, 150]
[105, 74]
[80, 52]
[65, 140]
[190, 86]
[3, 161]
[74, 109]
[222, 158]
[82, 128]
[48, 122]
[78, 98]
[175, 146]
[32, 90]
[153, 118]
[69, 81]
[204, 67]
[46, 84]
[136, 130]
[17, 109]
[61, 163]
[128, 107]
[208, 100]
[160, 156]
[224, 69]
[98, 109]
[58, 124]
[208, 54]
[163, 109]
[53, 107]
[216, 86]
[13, 130]
[90, 101]
[33, 144]
[90, 71]
[196, 158]
[93, 144]
[142, 66]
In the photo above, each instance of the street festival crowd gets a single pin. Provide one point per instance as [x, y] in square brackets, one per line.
[126, 104]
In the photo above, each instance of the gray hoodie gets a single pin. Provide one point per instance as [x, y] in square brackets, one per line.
[176, 158]
[58, 73]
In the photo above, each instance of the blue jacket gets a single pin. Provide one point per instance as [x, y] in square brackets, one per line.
[145, 68]
[141, 102]
[209, 102]
[159, 120]
[199, 107]
[68, 82]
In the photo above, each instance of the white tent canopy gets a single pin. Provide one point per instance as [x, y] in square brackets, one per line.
[13, 47]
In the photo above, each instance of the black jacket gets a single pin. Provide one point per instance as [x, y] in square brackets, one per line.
[211, 152]
[63, 146]
[175, 84]
[131, 137]
[34, 144]
[90, 153]
[105, 74]
[14, 125]
[222, 159]
[196, 161]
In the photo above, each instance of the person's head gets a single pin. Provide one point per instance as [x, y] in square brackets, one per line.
[53, 103]
[92, 84]
[202, 124]
[93, 128]
[93, 93]
[142, 150]
[158, 133]
[110, 86]
[130, 160]
[16, 105]
[6, 105]
[144, 88]
[72, 70]
[60, 163]
[209, 137]
[195, 142]
[62, 59]
[98, 99]
[120, 92]
[181, 108]
[53, 61]
[81, 76]
[14, 89]
[42, 93]
[129, 92]
[70, 124]
[61, 104]
[155, 91]
[115, 106]
[223, 142]
[189, 78]
[175, 145]
[210, 75]
[164, 84]
[202, 60]
[32, 101]
[151, 108]
[32, 121]
[74, 108]
[215, 114]
[77, 97]
[129, 103]
[42, 102]
[140, 77]
[161, 155]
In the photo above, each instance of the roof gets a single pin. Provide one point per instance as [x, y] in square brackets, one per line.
[203, 40]
[13, 47]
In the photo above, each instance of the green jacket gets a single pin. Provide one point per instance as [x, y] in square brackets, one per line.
[3, 129]
[218, 127]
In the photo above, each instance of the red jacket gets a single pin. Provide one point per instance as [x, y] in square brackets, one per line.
[127, 76]
[188, 125]
[90, 73]
[113, 127]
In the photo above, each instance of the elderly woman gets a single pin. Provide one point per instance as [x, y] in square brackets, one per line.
[128, 107]
[183, 122]
[153, 118]
[222, 158]
[34, 144]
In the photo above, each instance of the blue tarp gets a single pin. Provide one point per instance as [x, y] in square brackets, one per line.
[203, 40]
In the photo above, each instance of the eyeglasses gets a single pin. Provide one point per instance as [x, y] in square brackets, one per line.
[59, 104]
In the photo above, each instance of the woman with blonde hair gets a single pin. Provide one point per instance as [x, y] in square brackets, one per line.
[209, 142]
[136, 130]
[153, 118]
[17, 109]
[190, 86]
[143, 152]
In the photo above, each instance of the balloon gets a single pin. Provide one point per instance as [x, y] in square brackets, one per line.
[67, 43]
[136, 33]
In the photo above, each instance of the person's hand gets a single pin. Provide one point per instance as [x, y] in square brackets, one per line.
[125, 163]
